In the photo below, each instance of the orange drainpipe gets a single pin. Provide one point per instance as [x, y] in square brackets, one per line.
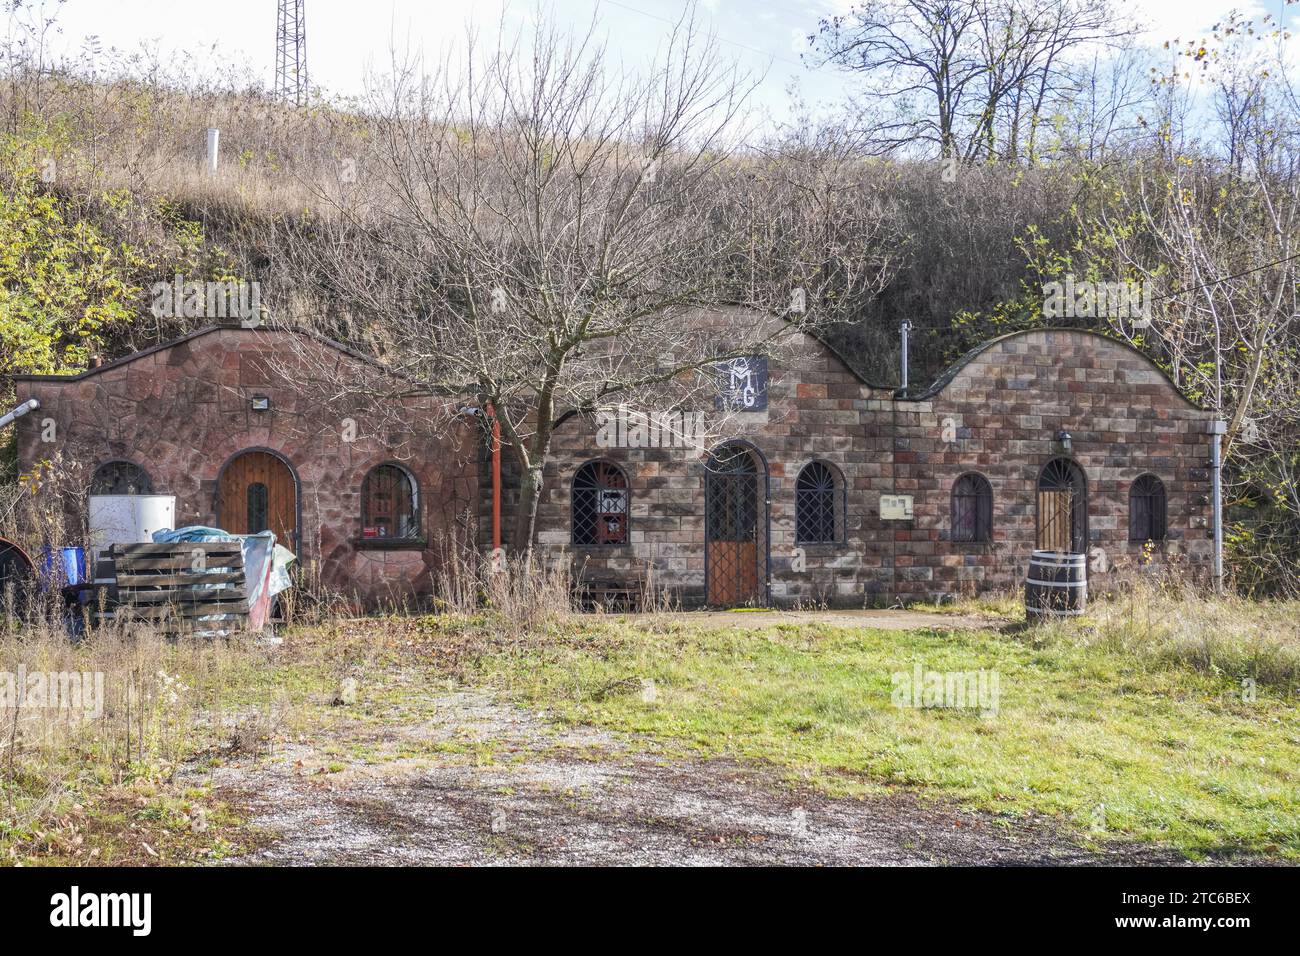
[496, 478]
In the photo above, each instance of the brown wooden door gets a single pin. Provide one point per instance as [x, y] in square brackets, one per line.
[1055, 520]
[258, 493]
[733, 573]
[1062, 507]
[735, 518]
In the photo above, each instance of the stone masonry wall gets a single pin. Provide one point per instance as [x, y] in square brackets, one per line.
[182, 411]
[1005, 407]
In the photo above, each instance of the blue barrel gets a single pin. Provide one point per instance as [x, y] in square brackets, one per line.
[68, 568]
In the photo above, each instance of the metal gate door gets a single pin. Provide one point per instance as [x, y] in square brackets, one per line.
[736, 527]
[1062, 507]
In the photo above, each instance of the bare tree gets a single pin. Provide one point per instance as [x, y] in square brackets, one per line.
[975, 78]
[548, 235]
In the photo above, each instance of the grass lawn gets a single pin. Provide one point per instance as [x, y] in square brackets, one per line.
[1146, 746]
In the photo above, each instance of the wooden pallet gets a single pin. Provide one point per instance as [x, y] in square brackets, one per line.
[185, 587]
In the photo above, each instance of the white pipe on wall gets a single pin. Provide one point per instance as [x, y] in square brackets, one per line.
[28, 406]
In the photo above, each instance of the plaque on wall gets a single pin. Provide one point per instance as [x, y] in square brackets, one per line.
[742, 384]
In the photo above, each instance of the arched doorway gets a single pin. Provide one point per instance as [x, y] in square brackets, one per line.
[258, 491]
[1062, 507]
[736, 526]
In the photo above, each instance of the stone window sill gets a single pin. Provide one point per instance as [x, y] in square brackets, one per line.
[389, 544]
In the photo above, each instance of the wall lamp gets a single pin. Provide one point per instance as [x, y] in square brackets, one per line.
[1067, 443]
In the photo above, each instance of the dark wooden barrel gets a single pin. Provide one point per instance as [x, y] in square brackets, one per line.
[1056, 585]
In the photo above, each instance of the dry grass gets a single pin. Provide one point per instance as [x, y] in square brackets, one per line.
[1175, 624]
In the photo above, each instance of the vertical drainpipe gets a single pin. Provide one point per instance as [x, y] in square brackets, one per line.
[496, 478]
[1217, 430]
[904, 329]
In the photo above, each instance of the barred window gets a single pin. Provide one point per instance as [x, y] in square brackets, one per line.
[259, 508]
[120, 478]
[972, 508]
[1148, 509]
[601, 504]
[815, 493]
[390, 504]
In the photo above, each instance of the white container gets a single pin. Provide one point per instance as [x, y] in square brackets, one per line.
[128, 519]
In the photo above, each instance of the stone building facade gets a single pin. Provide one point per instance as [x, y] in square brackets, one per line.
[827, 490]
[1000, 416]
[218, 408]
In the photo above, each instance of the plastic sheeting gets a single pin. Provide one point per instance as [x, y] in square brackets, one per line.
[266, 564]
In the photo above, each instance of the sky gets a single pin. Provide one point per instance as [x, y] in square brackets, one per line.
[347, 39]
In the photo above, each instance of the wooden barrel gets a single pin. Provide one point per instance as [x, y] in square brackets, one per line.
[1056, 585]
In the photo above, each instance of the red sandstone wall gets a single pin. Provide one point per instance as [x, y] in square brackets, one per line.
[183, 411]
[1007, 405]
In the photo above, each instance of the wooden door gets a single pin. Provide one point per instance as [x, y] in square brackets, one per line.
[1055, 520]
[735, 517]
[258, 493]
[1062, 507]
[733, 573]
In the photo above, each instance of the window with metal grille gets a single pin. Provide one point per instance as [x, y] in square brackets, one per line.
[601, 504]
[815, 494]
[1147, 509]
[120, 478]
[972, 508]
[259, 507]
[390, 504]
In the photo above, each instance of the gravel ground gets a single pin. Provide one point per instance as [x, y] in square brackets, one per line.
[477, 781]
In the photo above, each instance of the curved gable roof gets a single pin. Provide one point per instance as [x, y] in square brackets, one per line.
[199, 333]
[953, 370]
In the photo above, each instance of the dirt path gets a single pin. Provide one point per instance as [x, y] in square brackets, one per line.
[473, 780]
[890, 619]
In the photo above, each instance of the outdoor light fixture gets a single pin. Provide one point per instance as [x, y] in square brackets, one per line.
[261, 403]
[1066, 441]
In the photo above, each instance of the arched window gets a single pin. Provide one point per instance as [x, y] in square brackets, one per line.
[972, 508]
[120, 478]
[601, 504]
[1148, 510]
[816, 506]
[390, 504]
